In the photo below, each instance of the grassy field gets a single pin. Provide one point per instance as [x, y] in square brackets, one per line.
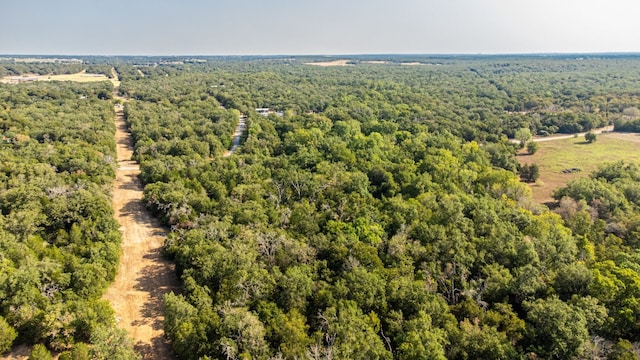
[79, 77]
[555, 156]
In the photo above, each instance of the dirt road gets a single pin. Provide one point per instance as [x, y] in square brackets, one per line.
[242, 124]
[569, 136]
[143, 275]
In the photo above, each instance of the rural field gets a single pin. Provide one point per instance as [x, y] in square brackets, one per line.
[575, 153]
[82, 76]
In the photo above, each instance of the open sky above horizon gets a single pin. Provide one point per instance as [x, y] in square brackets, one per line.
[254, 27]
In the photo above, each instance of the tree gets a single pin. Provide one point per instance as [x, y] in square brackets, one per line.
[40, 352]
[353, 334]
[421, 340]
[7, 335]
[590, 137]
[532, 147]
[622, 350]
[110, 343]
[554, 329]
[481, 342]
[529, 173]
[523, 135]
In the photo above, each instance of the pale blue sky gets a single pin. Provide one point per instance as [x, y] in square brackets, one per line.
[263, 27]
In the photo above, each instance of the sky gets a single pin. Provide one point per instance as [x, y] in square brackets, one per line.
[314, 27]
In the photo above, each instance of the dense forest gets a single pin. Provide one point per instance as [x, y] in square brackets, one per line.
[59, 242]
[381, 215]
[375, 212]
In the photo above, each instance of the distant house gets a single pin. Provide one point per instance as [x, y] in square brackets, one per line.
[267, 111]
[263, 111]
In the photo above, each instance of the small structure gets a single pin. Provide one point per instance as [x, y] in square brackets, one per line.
[268, 111]
[263, 111]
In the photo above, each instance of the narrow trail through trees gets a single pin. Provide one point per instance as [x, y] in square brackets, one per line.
[143, 275]
[242, 124]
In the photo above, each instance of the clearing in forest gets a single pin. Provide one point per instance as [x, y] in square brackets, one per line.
[82, 76]
[331, 63]
[143, 275]
[554, 157]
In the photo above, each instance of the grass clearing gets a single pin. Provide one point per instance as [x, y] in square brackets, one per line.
[555, 156]
[82, 76]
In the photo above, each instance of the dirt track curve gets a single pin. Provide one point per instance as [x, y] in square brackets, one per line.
[143, 275]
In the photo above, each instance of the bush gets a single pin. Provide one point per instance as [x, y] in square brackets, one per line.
[7, 335]
[622, 350]
[532, 147]
[40, 352]
[529, 173]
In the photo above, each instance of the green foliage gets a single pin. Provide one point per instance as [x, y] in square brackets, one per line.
[40, 352]
[590, 137]
[622, 350]
[422, 340]
[523, 135]
[7, 335]
[554, 329]
[482, 342]
[532, 147]
[109, 343]
[80, 351]
[380, 216]
[58, 238]
[383, 203]
[530, 173]
[353, 334]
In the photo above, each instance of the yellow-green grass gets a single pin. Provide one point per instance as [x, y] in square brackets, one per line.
[555, 156]
[78, 77]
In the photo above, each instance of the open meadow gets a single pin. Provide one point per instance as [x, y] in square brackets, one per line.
[82, 76]
[575, 153]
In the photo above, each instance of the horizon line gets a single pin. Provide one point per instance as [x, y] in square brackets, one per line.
[335, 54]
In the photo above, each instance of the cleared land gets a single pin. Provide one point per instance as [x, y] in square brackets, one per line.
[143, 275]
[331, 63]
[82, 76]
[115, 79]
[555, 156]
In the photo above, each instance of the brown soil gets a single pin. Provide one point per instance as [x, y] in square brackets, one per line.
[143, 275]
[20, 352]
